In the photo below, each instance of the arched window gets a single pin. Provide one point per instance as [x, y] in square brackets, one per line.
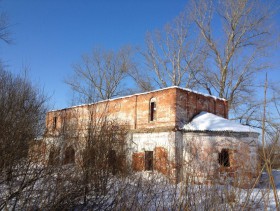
[69, 156]
[153, 108]
[224, 158]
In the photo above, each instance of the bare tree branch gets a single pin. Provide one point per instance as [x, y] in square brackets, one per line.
[236, 48]
[5, 34]
[100, 75]
[171, 53]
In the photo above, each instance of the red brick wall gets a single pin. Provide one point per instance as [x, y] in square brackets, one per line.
[189, 104]
[173, 105]
[132, 110]
[205, 158]
[165, 109]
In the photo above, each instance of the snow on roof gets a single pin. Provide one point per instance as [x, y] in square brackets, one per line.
[137, 94]
[205, 121]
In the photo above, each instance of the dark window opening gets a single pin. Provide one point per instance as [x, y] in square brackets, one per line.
[69, 155]
[54, 156]
[149, 160]
[224, 158]
[152, 111]
[54, 122]
[112, 161]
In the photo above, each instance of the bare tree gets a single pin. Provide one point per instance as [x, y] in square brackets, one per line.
[237, 35]
[22, 112]
[100, 75]
[5, 34]
[90, 149]
[104, 156]
[4, 28]
[171, 55]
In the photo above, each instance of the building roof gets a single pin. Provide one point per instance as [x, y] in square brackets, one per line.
[143, 93]
[205, 121]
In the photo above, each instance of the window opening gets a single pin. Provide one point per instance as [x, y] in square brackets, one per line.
[152, 111]
[224, 158]
[112, 161]
[54, 156]
[148, 160]
[69, 155]
[54, 122]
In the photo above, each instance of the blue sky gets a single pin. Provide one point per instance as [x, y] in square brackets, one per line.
[50, 36]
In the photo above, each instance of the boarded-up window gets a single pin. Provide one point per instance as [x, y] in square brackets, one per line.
[224, 158]
[149, 160]
[160, 159]
[69, 156]
[138, 161]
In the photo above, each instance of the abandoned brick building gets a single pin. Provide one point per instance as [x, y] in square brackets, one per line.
[175, 131]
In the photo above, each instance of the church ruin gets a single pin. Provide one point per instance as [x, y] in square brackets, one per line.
[174, 131]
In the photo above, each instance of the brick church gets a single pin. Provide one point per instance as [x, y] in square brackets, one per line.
[173, 131]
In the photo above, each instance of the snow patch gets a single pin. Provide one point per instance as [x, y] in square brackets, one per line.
[205, 121]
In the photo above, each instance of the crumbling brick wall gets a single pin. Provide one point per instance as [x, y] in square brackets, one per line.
[131, 110]
[162, 145]
[173, 106]
[189, 104]
[202, 157]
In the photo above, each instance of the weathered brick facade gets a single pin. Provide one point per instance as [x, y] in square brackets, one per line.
[173, 107]
[155, 120]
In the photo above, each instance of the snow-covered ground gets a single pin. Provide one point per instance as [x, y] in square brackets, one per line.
[141, 191]
[265, 187]
[222, 197]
